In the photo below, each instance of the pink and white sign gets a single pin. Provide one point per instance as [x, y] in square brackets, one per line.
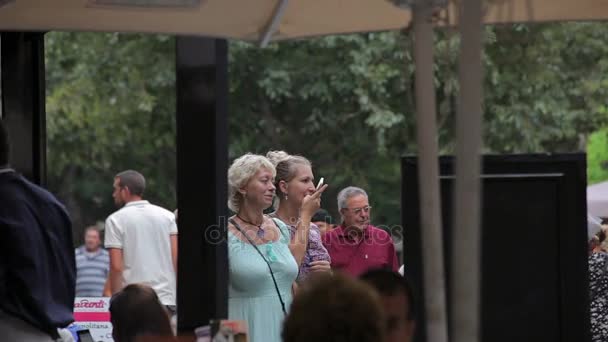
[93, 313]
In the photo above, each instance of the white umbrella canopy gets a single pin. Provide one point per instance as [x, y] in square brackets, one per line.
[249, 20]
[512, 11]
[237, 19]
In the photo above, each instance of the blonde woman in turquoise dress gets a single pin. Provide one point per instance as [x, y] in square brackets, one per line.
[262, 268]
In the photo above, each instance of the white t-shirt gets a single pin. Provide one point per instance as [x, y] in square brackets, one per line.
[142, 230]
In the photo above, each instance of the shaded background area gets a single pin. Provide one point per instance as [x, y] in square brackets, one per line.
[345, 102]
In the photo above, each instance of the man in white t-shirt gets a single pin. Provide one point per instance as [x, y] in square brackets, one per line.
[142, 240]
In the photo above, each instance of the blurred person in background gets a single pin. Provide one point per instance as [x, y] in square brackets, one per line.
[397, 302]
[323, 220]
[37, 264]
[92, 265]
[598, 281]
[335, 308]
[137, 314]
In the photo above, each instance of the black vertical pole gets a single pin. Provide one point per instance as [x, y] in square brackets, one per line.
[23, 101]
[202, 163]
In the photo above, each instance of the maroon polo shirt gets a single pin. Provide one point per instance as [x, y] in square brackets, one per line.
[355, 256]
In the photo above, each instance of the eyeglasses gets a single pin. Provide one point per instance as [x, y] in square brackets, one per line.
[358, 211]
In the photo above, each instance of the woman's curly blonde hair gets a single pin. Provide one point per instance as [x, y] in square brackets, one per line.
[240, 173]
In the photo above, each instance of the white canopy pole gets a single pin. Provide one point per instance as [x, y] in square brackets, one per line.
[428, 175]
[466, 269]
[274, 23]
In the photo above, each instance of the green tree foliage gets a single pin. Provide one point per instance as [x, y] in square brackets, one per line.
[335, 100]
[597, 157]
[110, 107]
[345, 102]
[545, 87]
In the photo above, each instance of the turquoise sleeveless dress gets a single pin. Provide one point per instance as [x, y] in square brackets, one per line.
[252, 296]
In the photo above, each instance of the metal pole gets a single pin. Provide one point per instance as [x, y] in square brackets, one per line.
[273, 23]
[465, 295]
[23, 101]
[202, 165]
[428, 175]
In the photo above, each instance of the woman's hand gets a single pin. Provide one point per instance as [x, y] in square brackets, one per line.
[311, 203]
[299, 242]
[320, 266]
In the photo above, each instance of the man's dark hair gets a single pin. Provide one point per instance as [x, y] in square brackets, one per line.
[4, 145]
[137, 312]
[334, 308]
[389, 283]
[133, 180]
[321, 215]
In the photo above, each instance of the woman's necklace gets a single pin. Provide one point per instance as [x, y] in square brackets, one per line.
[291, 222]
[260, 233]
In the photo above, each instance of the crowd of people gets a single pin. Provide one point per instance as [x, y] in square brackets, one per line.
[280, 263]
[271, 256]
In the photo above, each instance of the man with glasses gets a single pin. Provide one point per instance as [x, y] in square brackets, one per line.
[356, 246]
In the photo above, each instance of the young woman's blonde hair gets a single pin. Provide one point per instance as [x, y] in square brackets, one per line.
[286, 166]
[240, 173]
